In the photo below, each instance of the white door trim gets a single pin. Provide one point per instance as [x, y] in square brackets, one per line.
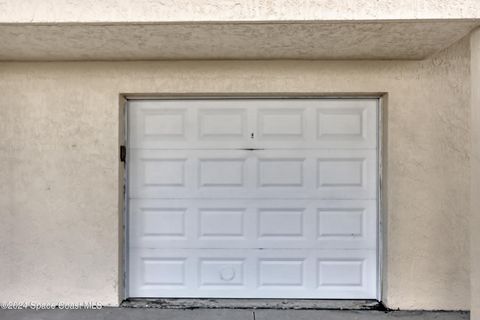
[381, 105]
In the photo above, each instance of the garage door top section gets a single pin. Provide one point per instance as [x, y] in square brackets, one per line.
[253, 124]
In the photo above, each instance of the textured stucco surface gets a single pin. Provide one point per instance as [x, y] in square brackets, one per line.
[346, 40]
[475, 180]
[27, 11]
[60, 170]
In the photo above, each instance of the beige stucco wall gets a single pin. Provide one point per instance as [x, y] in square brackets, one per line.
[475, 180]
[59, 134]
[147, 11]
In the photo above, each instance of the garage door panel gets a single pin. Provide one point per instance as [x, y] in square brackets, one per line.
[252, 198]
[323, 174]
[253, 224]
[243, 273]
[261, 124]
[281, 124]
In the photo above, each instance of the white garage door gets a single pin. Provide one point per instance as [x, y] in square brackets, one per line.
[253, 198]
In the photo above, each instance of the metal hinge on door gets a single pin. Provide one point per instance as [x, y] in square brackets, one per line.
[123, 154]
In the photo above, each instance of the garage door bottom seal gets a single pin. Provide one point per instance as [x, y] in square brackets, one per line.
[294, 304]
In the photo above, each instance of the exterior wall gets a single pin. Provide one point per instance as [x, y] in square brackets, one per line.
[59, 194]
[475, 174]
[91, 11]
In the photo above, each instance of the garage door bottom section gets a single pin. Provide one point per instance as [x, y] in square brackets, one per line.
[254, 273]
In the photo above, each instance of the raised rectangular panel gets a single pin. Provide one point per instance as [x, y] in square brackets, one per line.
[346, 123]
[164, 124]
[281, 123]
[280, 272]
[221, 172]
[280, 223]
[164, 271]
[163, 172]
[344, 222]
[340, 172]
[342, 123]
[340, 273]
[221, 124]
[280, 172]
[221, 272]
[163, 222]
[220, 223]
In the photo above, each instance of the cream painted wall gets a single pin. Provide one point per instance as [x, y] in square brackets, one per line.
[59, 134]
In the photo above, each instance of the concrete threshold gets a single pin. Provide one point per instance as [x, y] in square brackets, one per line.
[281, 304]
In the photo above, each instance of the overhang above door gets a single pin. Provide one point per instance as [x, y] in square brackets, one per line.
[50, 30]
[230, 40]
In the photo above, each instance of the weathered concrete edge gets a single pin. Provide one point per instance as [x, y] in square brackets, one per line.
[305, 304]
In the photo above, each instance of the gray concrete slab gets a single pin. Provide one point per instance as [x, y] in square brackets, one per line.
[356, 315]
[126, 314]
[227, 314]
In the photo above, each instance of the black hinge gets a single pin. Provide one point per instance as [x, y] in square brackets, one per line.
[123, 154]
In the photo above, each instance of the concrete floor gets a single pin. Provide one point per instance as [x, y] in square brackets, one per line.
[228, 314]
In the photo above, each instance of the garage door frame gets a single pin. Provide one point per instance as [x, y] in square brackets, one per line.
[381, 171]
